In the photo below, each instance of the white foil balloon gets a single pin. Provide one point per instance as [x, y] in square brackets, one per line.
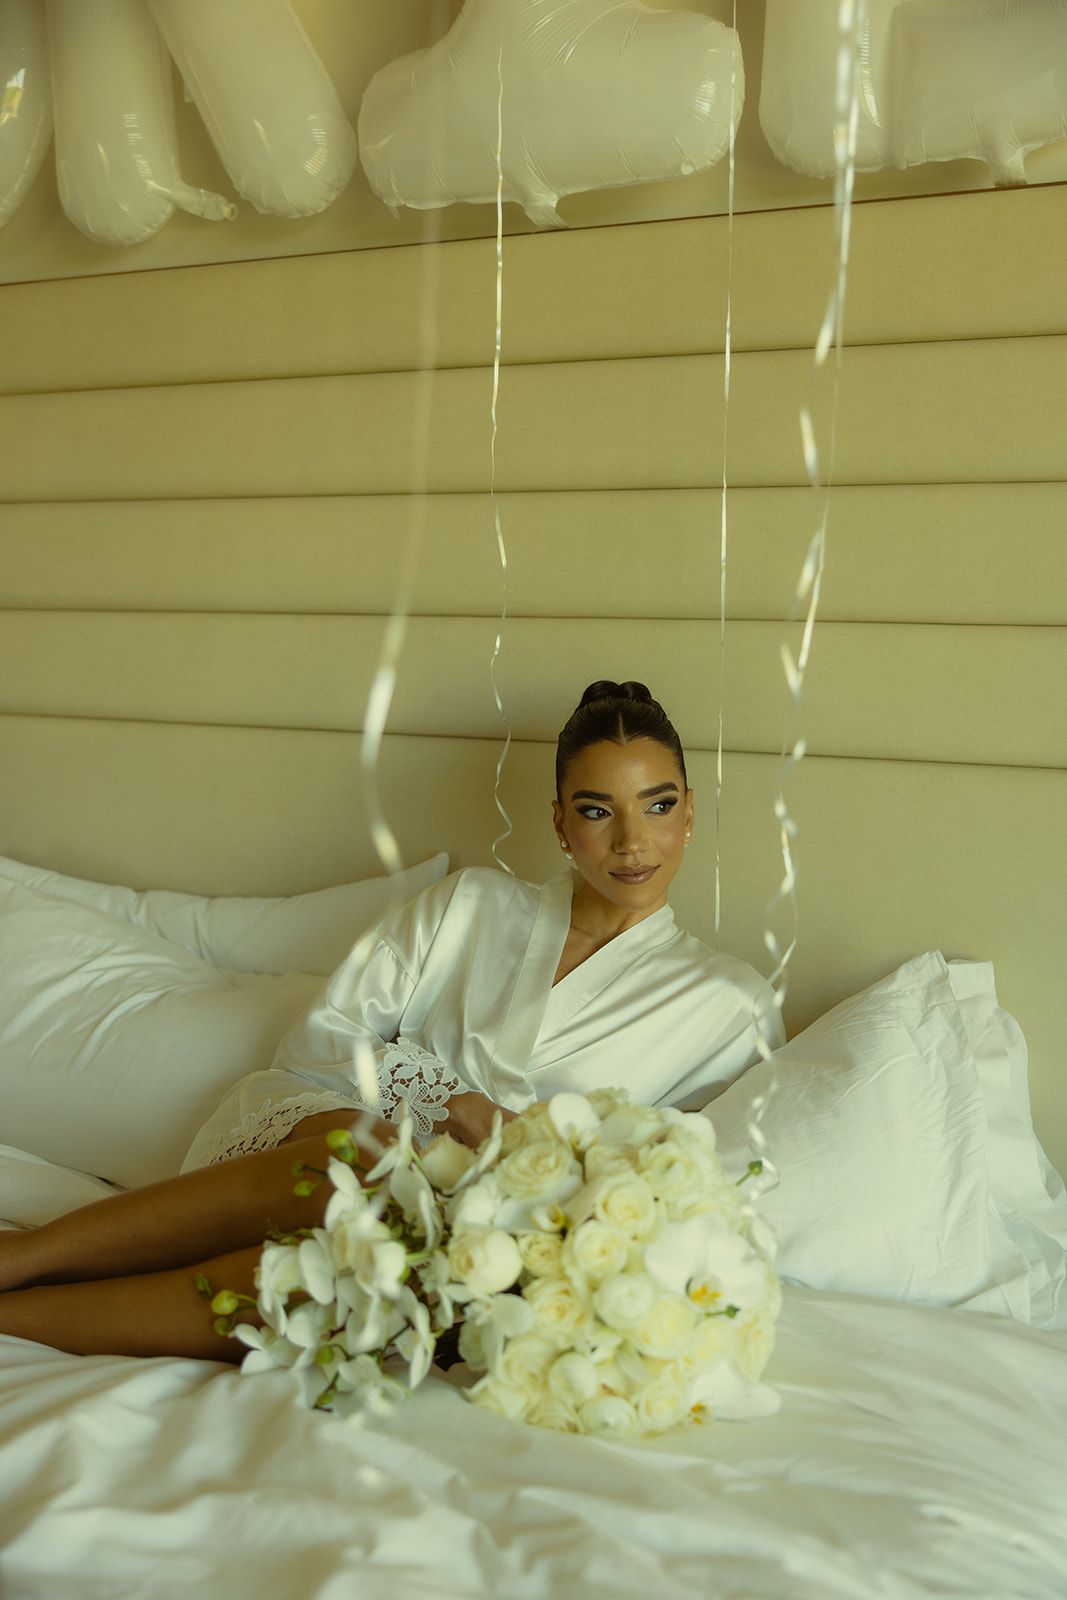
[592, 94]
[798, 86]
[269, 106]
[25, 99]
[116, 152]
[986, 79]
[940, 80]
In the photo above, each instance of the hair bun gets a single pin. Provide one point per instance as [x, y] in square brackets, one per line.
[605, 689]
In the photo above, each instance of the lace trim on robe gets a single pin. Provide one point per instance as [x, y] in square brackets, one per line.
[266, 1126]
[409, 1072]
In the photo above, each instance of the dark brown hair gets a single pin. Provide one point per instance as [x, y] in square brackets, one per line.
[615, 713]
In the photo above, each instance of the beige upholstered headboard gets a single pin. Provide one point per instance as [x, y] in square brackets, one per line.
[212, 475]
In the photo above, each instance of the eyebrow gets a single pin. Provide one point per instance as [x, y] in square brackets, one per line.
[643, 794]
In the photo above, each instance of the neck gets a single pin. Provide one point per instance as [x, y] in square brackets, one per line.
[601, 921]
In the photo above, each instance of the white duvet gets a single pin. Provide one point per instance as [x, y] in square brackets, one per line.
[916, 1452]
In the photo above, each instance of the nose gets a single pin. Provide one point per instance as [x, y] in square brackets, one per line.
[631, 834]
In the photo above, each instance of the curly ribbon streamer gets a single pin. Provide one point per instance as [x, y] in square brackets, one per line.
[852, 16]
[501, 549]
[727, 348]
[383, 683]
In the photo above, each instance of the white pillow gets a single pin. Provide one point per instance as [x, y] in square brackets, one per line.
[877, 1125]
[1026, 1191]
[116, 1045]
[296, 933]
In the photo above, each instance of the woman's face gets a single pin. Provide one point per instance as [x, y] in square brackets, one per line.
[625, 816]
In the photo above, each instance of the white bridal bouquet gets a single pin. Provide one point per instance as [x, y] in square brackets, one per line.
[602, 1271]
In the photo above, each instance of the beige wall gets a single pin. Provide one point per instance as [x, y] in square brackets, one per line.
[208, 483]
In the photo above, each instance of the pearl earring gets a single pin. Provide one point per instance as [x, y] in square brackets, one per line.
[566, 852]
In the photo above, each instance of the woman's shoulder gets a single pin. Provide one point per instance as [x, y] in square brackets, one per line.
[489, 887]
[717, 965]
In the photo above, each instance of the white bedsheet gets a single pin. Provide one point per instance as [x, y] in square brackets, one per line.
[916, 1452]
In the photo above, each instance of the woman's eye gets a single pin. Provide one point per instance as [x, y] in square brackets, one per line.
[662, 807]
[593, 813]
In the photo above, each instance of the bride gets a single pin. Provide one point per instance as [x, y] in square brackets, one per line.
[483, 993]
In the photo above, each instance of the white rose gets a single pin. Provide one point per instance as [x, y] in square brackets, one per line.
[487, 1260]
[532, 1126]
[542, 1254]
[594, 1250]
[560, 1308]
[538, 1172]
[604, 1101]
[444, 1162]
[699, 1127]
[601, 1159]
[754, 1342]
[573, 1378]
[624, 1300]
[663, 1403]
[666, 1328]
[475, 1206]
[632, 1125]
[492, 1394]
[712, 1337]
[551, 1412]
[626, 1200]
[525, 1363]
[674, 1172]
[609, 1416]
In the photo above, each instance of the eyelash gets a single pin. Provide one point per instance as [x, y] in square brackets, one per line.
[589, 812]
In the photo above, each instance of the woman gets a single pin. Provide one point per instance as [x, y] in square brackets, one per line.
[485, 992]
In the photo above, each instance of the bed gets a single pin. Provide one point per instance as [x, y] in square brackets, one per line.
[920, 1446]
[215, 476]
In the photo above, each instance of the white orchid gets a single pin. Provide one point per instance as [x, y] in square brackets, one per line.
[705, 1260]
[574, 1119]
[413, 1194]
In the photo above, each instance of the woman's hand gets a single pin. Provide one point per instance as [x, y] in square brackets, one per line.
[470, 1118]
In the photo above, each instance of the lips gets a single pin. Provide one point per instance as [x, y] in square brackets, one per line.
[638, 875]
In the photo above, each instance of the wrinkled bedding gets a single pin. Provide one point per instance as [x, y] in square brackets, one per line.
[917, 1451]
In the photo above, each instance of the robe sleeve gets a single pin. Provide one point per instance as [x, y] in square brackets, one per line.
[354, 1031]
[347, 1050]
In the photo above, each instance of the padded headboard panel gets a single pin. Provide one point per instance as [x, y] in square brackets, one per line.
[216, 477]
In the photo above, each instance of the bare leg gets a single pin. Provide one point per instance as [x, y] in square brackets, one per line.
[119, 1276]
[152, 1314]
[178, 1222]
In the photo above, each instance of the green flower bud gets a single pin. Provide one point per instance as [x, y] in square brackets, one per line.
[225, 1302]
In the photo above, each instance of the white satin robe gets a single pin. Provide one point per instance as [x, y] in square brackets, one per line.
[465, 971]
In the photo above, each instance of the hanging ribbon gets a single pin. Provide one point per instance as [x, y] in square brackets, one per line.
[851, 28]
[501, 548]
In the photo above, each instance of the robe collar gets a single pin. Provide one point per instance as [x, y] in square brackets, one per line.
[533, 994]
